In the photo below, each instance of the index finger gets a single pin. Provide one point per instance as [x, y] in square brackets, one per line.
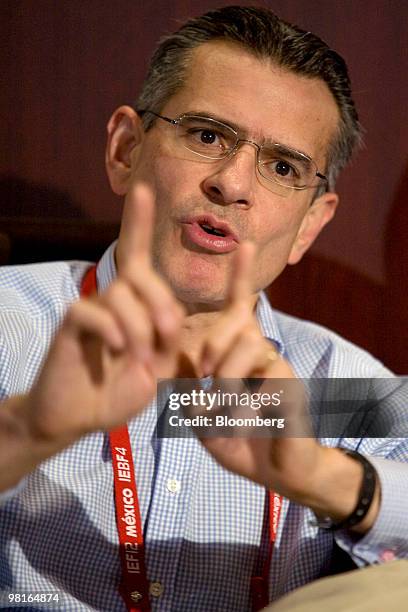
[135, 237]
[241, 284]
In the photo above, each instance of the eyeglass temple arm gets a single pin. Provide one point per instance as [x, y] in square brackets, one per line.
[144, 111]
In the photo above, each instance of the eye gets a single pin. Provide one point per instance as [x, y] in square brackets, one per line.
[208, 136]
[282, 171]
[204, 136]
[282, 168]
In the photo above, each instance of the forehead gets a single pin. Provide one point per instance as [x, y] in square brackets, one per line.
[268, 102]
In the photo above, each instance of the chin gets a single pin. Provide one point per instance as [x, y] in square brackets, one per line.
[195, 282]
[207, 297]
[201, 293]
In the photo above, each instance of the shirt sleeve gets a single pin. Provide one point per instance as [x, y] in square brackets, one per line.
[388, 538]
[6, 366]
[5, 496]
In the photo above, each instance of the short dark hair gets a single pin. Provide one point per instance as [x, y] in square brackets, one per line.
[260, 32]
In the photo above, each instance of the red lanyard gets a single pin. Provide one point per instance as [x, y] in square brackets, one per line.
[259, 584]
[134, 586]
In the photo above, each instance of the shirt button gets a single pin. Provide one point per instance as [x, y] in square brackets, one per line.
[156, 589]
[173, 485]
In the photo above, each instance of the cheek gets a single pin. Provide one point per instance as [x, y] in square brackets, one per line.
[278, 226]
[174, 181]
[275, 237]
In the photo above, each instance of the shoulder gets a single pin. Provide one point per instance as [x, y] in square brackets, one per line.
[35, 288]
[33, 302]
[322, 352]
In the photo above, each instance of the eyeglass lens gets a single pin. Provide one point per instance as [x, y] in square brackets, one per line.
[214, 140]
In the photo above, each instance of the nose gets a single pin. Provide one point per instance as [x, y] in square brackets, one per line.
[232, 179]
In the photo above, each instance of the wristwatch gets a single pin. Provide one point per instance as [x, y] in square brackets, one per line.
[365, 497]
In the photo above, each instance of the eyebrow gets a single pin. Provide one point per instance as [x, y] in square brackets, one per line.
[210, 115]
[295, 154]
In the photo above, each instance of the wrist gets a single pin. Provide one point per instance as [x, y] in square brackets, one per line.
[25, 438]
[336, 491]
[17, 450]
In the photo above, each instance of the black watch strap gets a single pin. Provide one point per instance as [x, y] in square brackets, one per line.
[365, 497]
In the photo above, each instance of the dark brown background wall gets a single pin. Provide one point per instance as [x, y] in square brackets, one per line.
[66, 65]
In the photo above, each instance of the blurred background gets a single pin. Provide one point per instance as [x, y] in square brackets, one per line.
[67, 64]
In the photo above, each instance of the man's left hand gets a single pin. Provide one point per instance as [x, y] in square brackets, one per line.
[299, 468]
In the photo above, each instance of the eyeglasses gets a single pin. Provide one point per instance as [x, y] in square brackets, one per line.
[283, 168]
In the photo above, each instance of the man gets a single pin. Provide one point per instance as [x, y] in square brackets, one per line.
[227, 169]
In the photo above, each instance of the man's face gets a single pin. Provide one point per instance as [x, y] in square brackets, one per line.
[226, 82]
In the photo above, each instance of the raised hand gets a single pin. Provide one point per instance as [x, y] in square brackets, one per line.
[235, 349]
[103, 365]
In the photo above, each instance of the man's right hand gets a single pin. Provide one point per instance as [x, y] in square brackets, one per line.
[103, 365]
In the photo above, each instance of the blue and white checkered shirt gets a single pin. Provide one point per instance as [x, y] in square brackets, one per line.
[202, 524]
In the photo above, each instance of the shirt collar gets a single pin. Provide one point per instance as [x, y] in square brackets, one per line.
[106, 273]
[106, 268]
[267, 322]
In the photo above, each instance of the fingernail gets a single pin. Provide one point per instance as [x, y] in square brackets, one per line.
[207, 366]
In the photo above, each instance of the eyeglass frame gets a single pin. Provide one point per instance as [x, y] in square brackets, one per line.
[232, 151]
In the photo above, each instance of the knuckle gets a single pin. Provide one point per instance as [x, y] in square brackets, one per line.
[116, 291]
[131, 271]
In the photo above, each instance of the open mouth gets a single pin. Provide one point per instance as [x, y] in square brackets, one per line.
[210, 233]
[212, 230]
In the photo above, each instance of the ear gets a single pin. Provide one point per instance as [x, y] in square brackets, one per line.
[318, 215]
[125, 133]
